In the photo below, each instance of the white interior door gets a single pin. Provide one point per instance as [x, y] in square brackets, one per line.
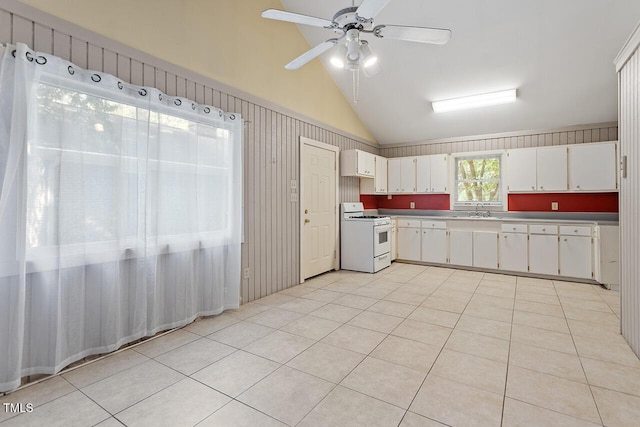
[318, 175]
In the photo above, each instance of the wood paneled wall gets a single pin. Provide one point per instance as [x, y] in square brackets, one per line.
[497, 142]
[271, 143]
[629, 90]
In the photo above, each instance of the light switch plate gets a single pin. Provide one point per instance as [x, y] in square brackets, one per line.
[554, 206]
[412, 205]
[389, 197]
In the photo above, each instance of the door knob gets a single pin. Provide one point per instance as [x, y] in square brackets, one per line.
[307, 220]
[306, 211]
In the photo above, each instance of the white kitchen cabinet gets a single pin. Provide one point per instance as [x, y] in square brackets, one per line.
[394, 239]
[514, 252]
[434, 241]
[575, 256]
[432, 173]
[377, 184]
[543, 254]
[409, 242]
[592, 167]
[461, 247]
[402, 175]
[485, 249]
[537, 169]
[551, 167]
[357, 163]
[521, 169]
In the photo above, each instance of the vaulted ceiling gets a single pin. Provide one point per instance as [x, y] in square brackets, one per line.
[558, 54]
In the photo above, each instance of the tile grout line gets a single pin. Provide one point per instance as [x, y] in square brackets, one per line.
[581, 364]
[506, 377]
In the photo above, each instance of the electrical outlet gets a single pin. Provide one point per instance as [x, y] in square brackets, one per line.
[389, 197]
[554, 206]
[294, 197]
[247, 273]
[412, 205]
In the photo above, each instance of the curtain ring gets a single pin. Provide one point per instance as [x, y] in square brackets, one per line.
[232, 116]
[120, 85]
[220, 113]
[177, 102]
[13, 53]
[41, 60]
[193, 106]
[207, 110]
[160, 96]
[96, 78]
[29, 57]
[71, 70]
[142, 92]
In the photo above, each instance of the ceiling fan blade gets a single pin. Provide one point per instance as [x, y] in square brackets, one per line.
[369, 9]
[413, 34]
[296, 18]
[311, 54]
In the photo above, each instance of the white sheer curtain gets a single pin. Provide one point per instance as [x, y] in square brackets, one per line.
[120, 213]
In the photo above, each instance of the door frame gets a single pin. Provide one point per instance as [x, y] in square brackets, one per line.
[310, 142]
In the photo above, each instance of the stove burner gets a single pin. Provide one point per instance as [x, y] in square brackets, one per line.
[366, 217]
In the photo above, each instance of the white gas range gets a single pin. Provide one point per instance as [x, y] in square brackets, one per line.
[364, 240]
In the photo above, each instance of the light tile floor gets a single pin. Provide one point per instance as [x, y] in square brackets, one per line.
[408, 346]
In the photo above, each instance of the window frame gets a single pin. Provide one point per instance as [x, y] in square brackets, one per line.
[500, 205]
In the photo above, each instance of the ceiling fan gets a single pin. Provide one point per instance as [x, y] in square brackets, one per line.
[350, 23]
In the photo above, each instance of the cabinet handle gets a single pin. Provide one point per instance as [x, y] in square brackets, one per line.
[541, 187]
[565, 240]
[544, 229]
[533, 188]
[577, 186]
[433, 189]
[575, 231]
[506, 237]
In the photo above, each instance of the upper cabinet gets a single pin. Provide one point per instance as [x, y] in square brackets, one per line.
[357, 163]
[402, 175]
[592, 167]
[432, 173]
[377, 185]
[537, 169]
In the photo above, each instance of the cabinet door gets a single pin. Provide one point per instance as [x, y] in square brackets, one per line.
[439, 173]
[408, 175]
[365, 163]
[543, 254]
[485, 249]
[381, 175]
[513, 252]
[552, 168]
[461, 247]
[575, 256]
[592, 167]
[394, 239]
[408, 244]
[394, 178]
[434, 245]
[423, 174]
[521, 169]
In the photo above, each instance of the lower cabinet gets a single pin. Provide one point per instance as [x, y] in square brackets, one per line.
[408, 243]
[543, 254]
[513, 252]
[485, 249]
[434, 245]
[461, 247]
[575, 257]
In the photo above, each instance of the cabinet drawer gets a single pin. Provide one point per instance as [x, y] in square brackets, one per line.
[543, 229]
[573, 230]
[514, 228]
[410, 223]
[441, 225]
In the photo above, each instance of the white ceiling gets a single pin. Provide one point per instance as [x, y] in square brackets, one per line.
[558, 54]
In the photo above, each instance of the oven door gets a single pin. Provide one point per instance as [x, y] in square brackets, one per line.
[381, 239]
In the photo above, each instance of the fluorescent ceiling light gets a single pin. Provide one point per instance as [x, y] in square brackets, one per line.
[474, 101]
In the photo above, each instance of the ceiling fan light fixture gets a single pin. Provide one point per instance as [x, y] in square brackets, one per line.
[475, 101]
[338, 59]
[367, 56]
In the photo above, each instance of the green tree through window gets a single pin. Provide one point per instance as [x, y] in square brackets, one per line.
[478, 179]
